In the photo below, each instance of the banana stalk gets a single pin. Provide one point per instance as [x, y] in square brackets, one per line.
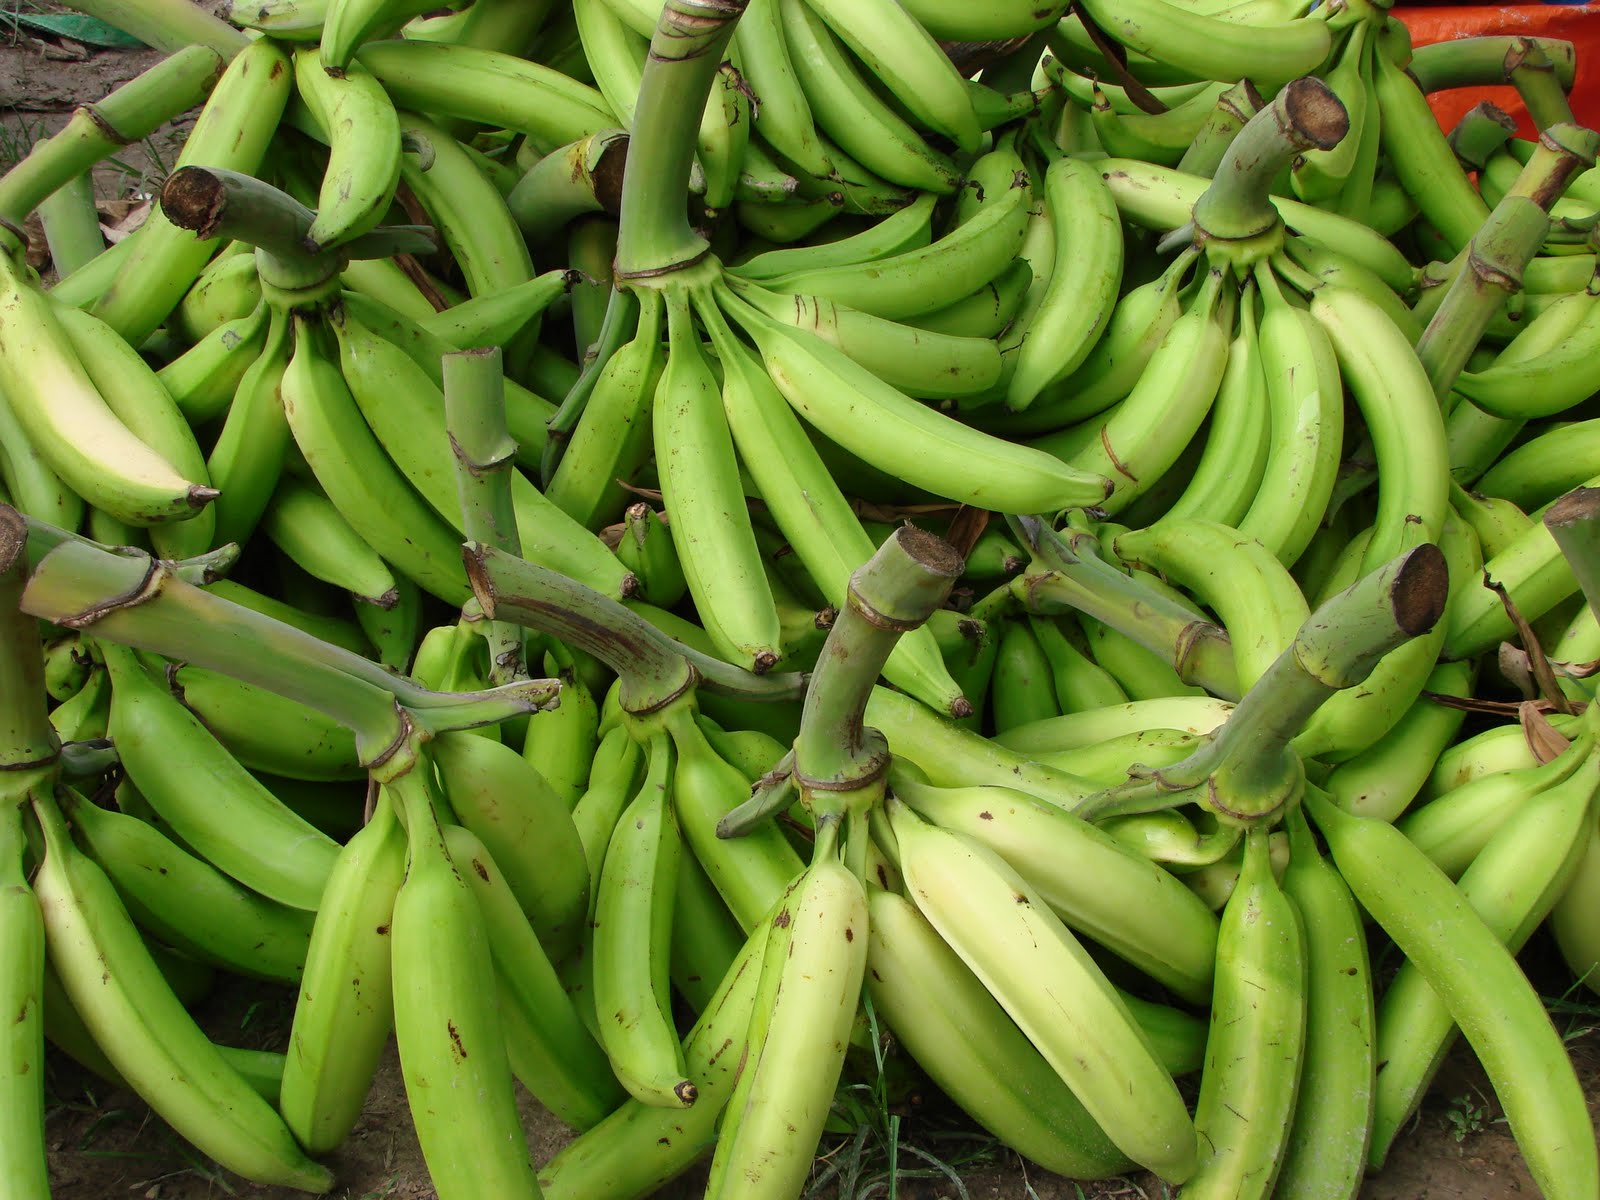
[1249, 768]
[133, 111]
[1571, 521]
[475, 416]
[139, 602]
[1499, 252]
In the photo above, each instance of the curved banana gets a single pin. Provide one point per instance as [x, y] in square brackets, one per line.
[1421, 158]
[632, 937]
[1139, 440]
[782, 110]
[1080, 297]
[907, 61]
[750, 872]
[303, 523]
[846, 108]
[347, 24]
[1138, 325]
[363, 147]
[911, 441]
[811, 972]
[957, 1032]
[1269, 54]
[1234, 575]
[31, 486]
[233, 131]
[987, 312]
[808, 506]
[1546, 466]
[144, 1029]
[248, 456]
[1484, 989]
[358, 476]
[1387, 776]
[561, 742]
[499, 796]
[203, 379]
[265, 731]
[1050, 986]
[228, 288]
[1511, 884]
[70, 423]
[705, 503]
[612, 440]
[210, 801]
[639, 1147]
[344, 1012]
[1234, 461]
[1332, 1125]
[551, 1052]
[910, 228]
[466, 207]
[1257, 1037]
[1087, 877]
[188, 903]
[447, 1020]
[919, 362]
[1451, 830]
[918, 281]
[1021, 689]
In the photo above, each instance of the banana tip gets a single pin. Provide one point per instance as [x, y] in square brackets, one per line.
[198, 496]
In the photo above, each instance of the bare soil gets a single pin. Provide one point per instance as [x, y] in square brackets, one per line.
[104, 1143]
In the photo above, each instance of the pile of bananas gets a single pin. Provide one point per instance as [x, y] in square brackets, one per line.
[684, 555]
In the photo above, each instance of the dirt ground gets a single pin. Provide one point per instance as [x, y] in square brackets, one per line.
[105, 1144]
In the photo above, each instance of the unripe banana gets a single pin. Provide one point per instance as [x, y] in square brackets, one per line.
[815, 961]
[211, 801]
[447, 1021]
[1257, 1037]
[1051, 988]
[503, 800]
[632, 940]
[144, 1030]
[345, 1013]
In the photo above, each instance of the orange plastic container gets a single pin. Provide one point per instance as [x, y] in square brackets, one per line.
[1575, 23]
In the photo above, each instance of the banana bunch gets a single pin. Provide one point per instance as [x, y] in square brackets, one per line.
[1131, 309]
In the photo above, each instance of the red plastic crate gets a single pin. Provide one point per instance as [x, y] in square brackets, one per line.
[1575, 23]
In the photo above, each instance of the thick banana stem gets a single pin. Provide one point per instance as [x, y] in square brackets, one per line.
[894, 591]
[1482, 130]
[1482, 61]
[1532, 71]
[216, 203]
[1492, 264]
[1574, 523]
[1075, 578]
[200, 570]
[26, 736]
[582, 177]
[1305, 115]
[655, 237]
[1249, 766]
[135, 110]
[654, 668]
[1232, 113]
[138, 601]
[71, 224]
[485, 454]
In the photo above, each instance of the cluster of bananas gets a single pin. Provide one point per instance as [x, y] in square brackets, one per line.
[555, 668]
